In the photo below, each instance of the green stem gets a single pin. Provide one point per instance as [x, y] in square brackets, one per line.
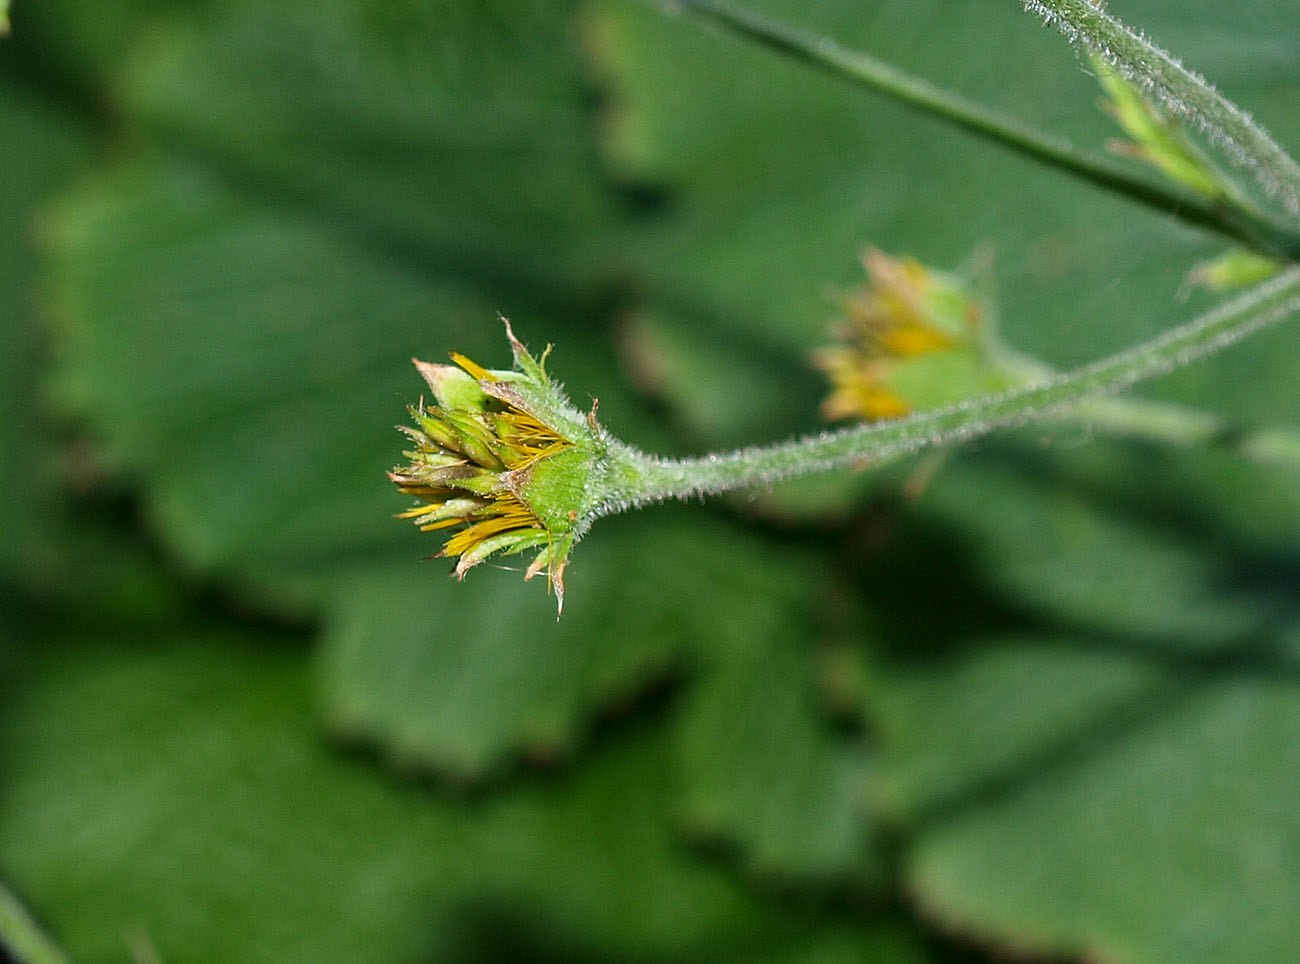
[1174, 424]
[867, 71]
[1161, 421]
[1181, 91]
[636, 478]
[22, 938]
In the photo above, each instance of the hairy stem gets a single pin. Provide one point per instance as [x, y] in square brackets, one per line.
[1163, 422]
[1182, 92]
[640, 478]
[1177, 425]
[866, 71]
[21, 937]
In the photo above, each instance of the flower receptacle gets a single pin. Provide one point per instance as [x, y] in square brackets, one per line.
[502, 460]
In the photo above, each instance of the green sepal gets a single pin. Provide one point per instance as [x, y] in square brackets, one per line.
[459, 434]
[552, 558]
[453, 388]
[530, 367]
[1156, 138]
[506, 543]
[433, 461]
[945, 378]
[461, 508]
[460, 476]
[558, 489]
[438, 431]
[545, 402]
[476, 439]
[471, 479]
[1234, 269]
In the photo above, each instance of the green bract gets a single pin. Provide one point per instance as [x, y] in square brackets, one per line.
[505, 460]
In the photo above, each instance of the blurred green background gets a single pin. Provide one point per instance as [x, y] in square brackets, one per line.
[1049, 710]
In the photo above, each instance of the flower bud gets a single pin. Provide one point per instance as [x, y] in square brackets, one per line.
[1156, 139]
[910, 338]
[503, 460]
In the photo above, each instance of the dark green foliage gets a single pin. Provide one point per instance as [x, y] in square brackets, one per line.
[1048, 706]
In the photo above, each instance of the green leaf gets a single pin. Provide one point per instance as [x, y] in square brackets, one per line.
[445, 135]
[50, 522]
[293, 252]
[719, 395]
[45, 150]
[237, 306]
[1083, 612]
[1096, 768]
[764, 772]
[462, 676]
[254, 368]
[246, 360]
[180, 764]
[76, 57]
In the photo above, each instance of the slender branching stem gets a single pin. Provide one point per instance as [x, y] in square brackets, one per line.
[1178, 425]
[1245, 227]
[638, 478]
[1180, 91]
[22, 937]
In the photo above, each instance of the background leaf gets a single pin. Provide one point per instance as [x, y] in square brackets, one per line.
[180, 765]
[1028, 627]
[49, 150]
[1044, 697]
[1109, 736]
